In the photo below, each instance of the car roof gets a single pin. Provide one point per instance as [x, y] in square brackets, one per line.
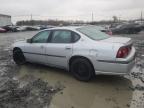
[75, 27]
[65, 28]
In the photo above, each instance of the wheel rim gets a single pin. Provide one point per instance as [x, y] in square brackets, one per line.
[19, 57]
[81, 70]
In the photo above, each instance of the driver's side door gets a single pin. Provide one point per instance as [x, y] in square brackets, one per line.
[35, 50]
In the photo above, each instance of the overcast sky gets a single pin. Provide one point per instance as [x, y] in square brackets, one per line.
[71, 9]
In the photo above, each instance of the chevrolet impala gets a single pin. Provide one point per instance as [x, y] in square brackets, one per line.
[84, 51]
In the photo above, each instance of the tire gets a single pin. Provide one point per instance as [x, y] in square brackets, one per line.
[18, 57]
[82, 69]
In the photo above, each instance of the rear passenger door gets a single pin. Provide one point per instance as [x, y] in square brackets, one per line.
[60, 48]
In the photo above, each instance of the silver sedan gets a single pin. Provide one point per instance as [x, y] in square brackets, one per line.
[84, 51]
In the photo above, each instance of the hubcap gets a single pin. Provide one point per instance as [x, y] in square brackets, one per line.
[18, 57]
[81, 69]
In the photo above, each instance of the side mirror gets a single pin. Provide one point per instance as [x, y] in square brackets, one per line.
[29, 40]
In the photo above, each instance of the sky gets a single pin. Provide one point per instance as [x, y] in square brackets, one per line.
[71, 9]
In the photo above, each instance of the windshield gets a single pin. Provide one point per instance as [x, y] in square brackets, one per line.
[93, 33]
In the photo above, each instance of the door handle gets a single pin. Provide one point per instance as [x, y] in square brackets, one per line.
[67, 48]
[42, 46]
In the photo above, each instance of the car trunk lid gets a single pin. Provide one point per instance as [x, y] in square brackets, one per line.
[121, 40]
[122, 46]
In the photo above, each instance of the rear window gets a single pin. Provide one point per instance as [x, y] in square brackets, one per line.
[93, 33]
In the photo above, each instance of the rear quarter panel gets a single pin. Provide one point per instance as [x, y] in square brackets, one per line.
[95, 51]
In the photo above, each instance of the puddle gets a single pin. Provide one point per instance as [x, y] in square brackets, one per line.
[103, 91]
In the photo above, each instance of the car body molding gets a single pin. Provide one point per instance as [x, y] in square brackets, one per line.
[45, 54]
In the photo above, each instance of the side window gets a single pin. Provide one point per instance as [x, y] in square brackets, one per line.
[61, 36]
[76, 37]
[41, 37]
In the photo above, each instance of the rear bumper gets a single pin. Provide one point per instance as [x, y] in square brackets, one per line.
[115, 68]
[120, 66]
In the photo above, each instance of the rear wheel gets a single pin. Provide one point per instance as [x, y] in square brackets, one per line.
[82, 69]
[18, 57]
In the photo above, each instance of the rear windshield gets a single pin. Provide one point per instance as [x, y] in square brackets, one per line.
[93, 33]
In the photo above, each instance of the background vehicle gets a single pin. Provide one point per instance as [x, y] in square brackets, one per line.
[84, 51]
[126, 29]
[106, 30]
[10, 28]
[2, 30]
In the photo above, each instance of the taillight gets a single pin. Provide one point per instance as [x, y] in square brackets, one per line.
[123, 52]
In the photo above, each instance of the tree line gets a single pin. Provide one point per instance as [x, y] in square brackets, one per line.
[48, 22]
[61, 22]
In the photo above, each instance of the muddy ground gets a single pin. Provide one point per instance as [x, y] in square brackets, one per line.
[38, 86]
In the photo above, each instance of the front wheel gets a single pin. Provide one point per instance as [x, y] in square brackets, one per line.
[18, 57]
[82, 69]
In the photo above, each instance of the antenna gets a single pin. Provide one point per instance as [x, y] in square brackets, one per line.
[92, 17]
[31, 17]
[141, 16]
